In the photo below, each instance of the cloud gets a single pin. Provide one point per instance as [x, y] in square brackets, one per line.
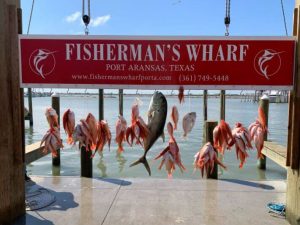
[99, 21]
[73, 17]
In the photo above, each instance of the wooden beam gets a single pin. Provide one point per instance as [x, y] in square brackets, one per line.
[34, 152]
[275, 152]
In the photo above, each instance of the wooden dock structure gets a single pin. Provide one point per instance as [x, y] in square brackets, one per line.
[275, 152]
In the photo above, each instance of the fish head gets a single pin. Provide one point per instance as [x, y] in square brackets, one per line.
[238, 124]
[193, 115]
[157, 100]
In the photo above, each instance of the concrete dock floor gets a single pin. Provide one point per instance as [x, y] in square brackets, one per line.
[156, 201]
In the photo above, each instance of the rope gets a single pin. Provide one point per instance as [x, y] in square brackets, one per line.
[30, 17]
[284, 20]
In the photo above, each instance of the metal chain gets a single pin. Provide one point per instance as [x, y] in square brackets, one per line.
[227, 17]
[86, 17]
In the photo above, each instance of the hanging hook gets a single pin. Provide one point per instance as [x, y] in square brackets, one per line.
[227, 30]
[227, 17]
[86, 17]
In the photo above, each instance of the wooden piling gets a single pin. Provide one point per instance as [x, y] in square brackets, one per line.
[208, 137]
[86, 162]
[204, 105]
[30, 107]
[56, 105]
[101, 104]
[264, 104]
[121, 102]
[222, 105]
[293, 172]
[12, 189]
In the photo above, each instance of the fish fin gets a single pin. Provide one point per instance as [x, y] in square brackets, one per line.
[144, 161]
[162, 153]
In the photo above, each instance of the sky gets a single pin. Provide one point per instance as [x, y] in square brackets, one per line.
[159, 17]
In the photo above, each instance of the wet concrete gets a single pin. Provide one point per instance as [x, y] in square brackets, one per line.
[156, 201]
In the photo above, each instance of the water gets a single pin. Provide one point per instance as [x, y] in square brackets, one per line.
[111, 164]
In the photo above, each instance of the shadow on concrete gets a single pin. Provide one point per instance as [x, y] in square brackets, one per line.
[32, 220]
[63, 201]
[116, 181]
[250, 184]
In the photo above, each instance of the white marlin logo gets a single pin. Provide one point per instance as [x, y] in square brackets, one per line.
[267, 62]
[42, 62]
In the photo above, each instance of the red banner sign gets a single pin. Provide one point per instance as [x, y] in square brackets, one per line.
[157, 62]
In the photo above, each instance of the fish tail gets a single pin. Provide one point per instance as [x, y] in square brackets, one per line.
[70, 140]
[144, 161]
[120, 149]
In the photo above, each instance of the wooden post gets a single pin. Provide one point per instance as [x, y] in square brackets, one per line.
[222, 105]
[121, 102]
[101, 104]
[208, 137]
[30, 107]
[293, 154]
[12, 189]
[264, 104]
[205, 105]
[56, 105]
[86, 162]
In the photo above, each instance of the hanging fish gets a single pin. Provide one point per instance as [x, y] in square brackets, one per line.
[222, 137]
[52, 117]
[188, 123]
[52, 141]
[121, 126]
[257, 132]
[181, 94]
[206, 158]
[92, 124]
[138, 129]
[69, 124]
[175, 116]
[157, 115]
[103, 136]
[242, 139]
[171, 154]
